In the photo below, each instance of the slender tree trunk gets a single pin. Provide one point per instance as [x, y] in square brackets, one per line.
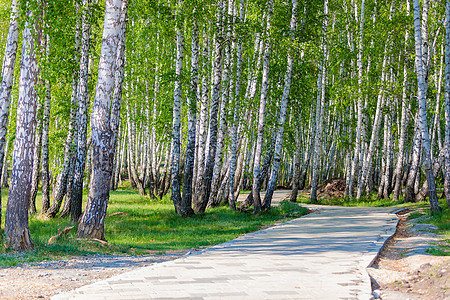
[402, 138]
[82, 122]
[65, 212]
[186, 200]
[320, 110]
[36, 159]
[202, 199]
[264, 170]
[375, 129]
[262, 112]
[16, 219]
[282, 116]
[384, 189]
[167, 179]
[421, 95]
[165, 168]
[6, 83]
[202, 133]
[436, 120]
[414, 166]
[176, 142]
[132, 150]
[234, 131]
[359, 126]
[447, 104]
[4, 179]
[45, 153]
[297, 169]
[423, 192]
[103, 128]
[154, 148]
[60, 189]
[218, 161]
[307, 161]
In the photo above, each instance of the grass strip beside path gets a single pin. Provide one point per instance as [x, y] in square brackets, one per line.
[138, 225]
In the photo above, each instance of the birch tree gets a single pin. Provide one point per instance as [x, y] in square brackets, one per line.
[421, 95]
[103, 123]
[186, 201]
[83, 98]
[319, 109]
[360, 124]
[234, 141]
[6, 82]
[404, 118]
[203, 193]
[176, 143]
[447, 103]
[262, 111]
[16, 218]
[282, 114]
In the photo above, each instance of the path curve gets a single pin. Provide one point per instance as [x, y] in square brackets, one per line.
[323, 255]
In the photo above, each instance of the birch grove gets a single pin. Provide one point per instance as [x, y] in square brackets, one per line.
[221, 104]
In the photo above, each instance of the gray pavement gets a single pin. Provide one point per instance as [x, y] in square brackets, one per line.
[323, 255]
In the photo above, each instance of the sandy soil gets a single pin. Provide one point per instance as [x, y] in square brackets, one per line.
[45, 279]
[404, 270]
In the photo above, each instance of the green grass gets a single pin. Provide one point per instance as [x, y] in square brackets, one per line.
[441, 249]
[144, 226]
[442, 221]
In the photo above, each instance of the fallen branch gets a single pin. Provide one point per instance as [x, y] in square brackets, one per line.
[119, 213]
[65, 231]
[104, 243]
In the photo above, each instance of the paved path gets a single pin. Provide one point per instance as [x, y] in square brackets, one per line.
[320, 256]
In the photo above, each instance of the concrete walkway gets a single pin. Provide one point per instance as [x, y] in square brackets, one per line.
[323, 255]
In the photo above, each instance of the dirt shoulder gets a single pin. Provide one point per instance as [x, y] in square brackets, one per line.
[404, 270]
[45, 279]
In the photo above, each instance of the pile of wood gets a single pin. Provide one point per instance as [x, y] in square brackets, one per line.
[332, 188]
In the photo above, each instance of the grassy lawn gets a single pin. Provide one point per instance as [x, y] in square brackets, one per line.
[138, 225]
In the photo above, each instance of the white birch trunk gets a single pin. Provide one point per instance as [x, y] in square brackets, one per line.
[82, 122]
[6, 83]
[45, 153]
[447, 104]
[103, 143]
[201, 201]
[282, 115]
[404, 121]
[421, 95]
[262, 111]
[375, 129]
[186, 201]
[60, 188]
[16, 218]
[359, 125]
[320, 110]
[176, 142]
[234, 138]
[202, 133]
